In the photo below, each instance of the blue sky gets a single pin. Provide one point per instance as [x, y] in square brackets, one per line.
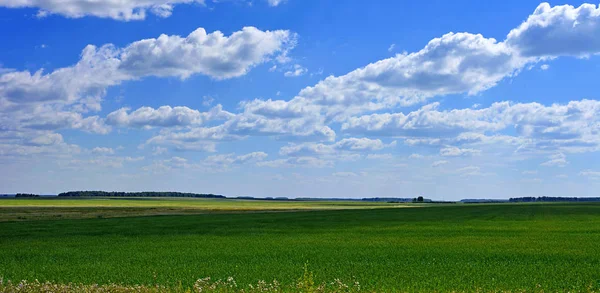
[445, 99]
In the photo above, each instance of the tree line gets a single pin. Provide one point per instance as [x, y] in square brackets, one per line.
[136, 194]
[26, 195]
[551, 199]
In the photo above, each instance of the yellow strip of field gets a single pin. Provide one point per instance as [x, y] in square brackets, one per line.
[59, 208]
[195, 203]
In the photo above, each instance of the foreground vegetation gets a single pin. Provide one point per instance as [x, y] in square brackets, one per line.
[502, 247]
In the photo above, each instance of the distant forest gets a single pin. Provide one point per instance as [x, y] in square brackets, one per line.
[550, 199]
[26, 195]
[135, 194]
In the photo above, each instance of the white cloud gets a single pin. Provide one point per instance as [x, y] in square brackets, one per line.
[544, 67]
[380, 156]
[558, 31]
[125, 10]
[225, 161]
[416, 156]
[213, 54]
[470, 171]
[297, 70]
[102, 161]
[103, 150]
[391, 47]
[207, 101]
[558, 160]
[529, 172]
[590, 174]
[573, 127]
[456, 152]
[275, 2]
[59, 99]
[308, 162]
[439, 163]
[452, 64]
[344, 145]
[165, 116]
[157, 151]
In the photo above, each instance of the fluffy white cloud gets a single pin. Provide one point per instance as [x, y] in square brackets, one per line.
[124, 10]
[297, 70]
[457, 152]
[344, 145]
[165, 116]
[121, 10]
[452, 64]
[380, 156]
[574, 126]
[60, 99]
[213, 54]
[228, 160]
[276, 2]
[33, 143]
[558, 31]
[103, 150]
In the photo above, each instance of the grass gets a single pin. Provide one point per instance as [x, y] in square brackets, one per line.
[502, 247]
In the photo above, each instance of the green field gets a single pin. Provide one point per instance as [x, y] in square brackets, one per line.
[501, 247]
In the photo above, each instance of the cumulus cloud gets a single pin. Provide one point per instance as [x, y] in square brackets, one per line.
[29, 144]
[380, 156]
[60, 99]
[344, 145]
[416, 156]
[102, 161]
[165, 116]
[103, 151]
[451, 64]
[125, 10]
[214, 55]
[227, 160]
[558, 31]
[574, 126]
[457, 152]
[297, 70]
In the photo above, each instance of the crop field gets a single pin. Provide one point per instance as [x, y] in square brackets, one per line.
[52, 208]
[493, 247]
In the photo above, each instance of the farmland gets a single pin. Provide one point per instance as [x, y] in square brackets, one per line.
[509, 247]
[44, 209]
